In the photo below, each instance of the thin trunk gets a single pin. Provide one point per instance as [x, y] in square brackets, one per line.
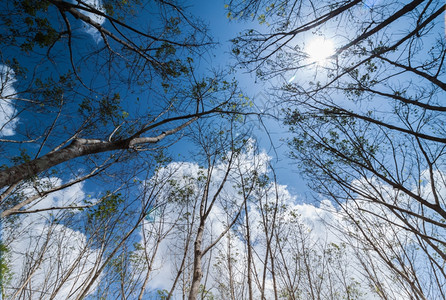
[248, 241]
[273, 275]
[273, 226]
[308, 271]
[198, 255]
[231, 280]
[149, 265]
[183, 261]
[94, 274]
[289, 282]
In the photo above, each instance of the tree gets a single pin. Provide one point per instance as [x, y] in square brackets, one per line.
[75, 253]
[92, 93]
[368, 121]
[94, 83]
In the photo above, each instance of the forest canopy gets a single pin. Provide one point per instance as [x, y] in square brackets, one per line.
[97, 99]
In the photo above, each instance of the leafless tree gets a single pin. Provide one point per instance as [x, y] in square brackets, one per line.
[367, 122]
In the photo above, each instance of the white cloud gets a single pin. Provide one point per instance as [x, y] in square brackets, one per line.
[71, 196]
[7, 111]
[98, 19]
[97, 4]
[307, 229]
[335, 259]
[340, 258]
[59, 258]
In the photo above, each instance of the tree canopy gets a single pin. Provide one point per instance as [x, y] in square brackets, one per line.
[97, 95]
[368, 121]
[132, 84]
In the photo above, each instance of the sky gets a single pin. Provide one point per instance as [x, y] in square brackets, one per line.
[317, 216]
[7, 110]
[45, 242]
[35, 227]
[271, 134]
[33, 231]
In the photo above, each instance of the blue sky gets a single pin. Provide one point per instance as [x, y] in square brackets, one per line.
[271, 137]
[272, 134]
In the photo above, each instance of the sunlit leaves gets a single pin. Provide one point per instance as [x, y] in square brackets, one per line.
[107, 207]
[5, 270]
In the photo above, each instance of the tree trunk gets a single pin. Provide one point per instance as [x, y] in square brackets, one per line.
[82, 147]
[248, 241]
[198, 272]
[78, 148]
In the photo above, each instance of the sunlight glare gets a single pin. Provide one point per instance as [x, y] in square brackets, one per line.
[319, 49]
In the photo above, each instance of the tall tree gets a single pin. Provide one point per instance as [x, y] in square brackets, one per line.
[367, 118]
[92, 93]
[94, 83]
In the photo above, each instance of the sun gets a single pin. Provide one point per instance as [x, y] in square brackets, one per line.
[319, 49]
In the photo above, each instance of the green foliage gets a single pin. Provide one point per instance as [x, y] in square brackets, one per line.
[106, 110]
[19, 70]
[47, 34]
[261, 18]
[173, 25]
[118, 264]
[109, 108]
[182, 192]
[38, 29]
[5, 272]
[161, 159]
[205, 294]
[32, 7]
[165, 50]
[51, 91]
[121, 9]
[107, 207]
[199, 89]
[162, 294]
[22, 158]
